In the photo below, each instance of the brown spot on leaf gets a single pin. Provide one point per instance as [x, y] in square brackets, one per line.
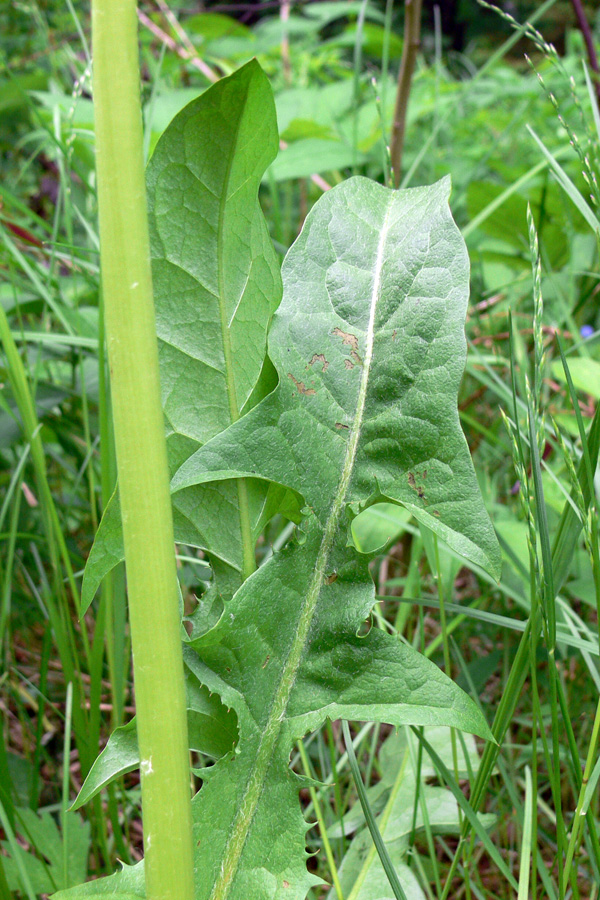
[436, 513]
[341, 425]
[318, 357]
[302, 389]
[348, 363]
[394, 333]
[331, 578]
[350, 339]
[356, 357]
[412, 482]
[286, 884]
[265, 662]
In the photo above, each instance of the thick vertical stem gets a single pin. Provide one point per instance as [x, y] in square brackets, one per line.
[141, 454]
[412, 42]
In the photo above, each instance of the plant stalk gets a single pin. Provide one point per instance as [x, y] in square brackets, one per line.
[412, 42]
[141, 454]
[588, 38]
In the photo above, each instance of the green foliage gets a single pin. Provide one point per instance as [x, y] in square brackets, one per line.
[392, 426]
[405, 805]
[333, 118]
[368, 345]
[216, 286]
[63, 859]
[212, 731]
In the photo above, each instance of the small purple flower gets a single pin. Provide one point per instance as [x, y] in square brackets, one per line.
[586, 331]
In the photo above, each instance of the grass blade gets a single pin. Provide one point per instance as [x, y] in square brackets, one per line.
[370, 818]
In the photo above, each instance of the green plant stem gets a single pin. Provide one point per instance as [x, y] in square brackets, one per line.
[412, 42]
[580, 813]
[339, 806]
[65, 784]
[141, 454]
[5, 893]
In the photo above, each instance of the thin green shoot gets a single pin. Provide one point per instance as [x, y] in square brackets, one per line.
[378, 842]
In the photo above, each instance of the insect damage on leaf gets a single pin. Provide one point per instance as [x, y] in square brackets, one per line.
[417, 487]
[302, 389]
[349, 339]
[352, 341]
[318, 357]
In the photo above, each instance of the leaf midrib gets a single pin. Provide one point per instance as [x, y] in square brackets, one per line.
[254, 787]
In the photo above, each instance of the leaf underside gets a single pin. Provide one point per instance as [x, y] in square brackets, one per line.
[216, 285]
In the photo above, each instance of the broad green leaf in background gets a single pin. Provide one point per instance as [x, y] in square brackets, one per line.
[326, 128]
[212, 730]
[57, 870]
[340, 9]
[584, 372]
[373, 40]
[216, 284]
[445, 566]
[396, 754]
[323, 105]
[394, 799]
[208, 26]
[312, 154]
[378, 525]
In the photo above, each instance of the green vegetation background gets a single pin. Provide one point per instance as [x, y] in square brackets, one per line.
[471, 115]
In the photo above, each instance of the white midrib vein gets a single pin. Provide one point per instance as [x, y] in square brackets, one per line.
[243, 820]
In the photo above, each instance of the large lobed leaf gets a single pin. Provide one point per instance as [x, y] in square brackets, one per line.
[216, 285]
[370, 349]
